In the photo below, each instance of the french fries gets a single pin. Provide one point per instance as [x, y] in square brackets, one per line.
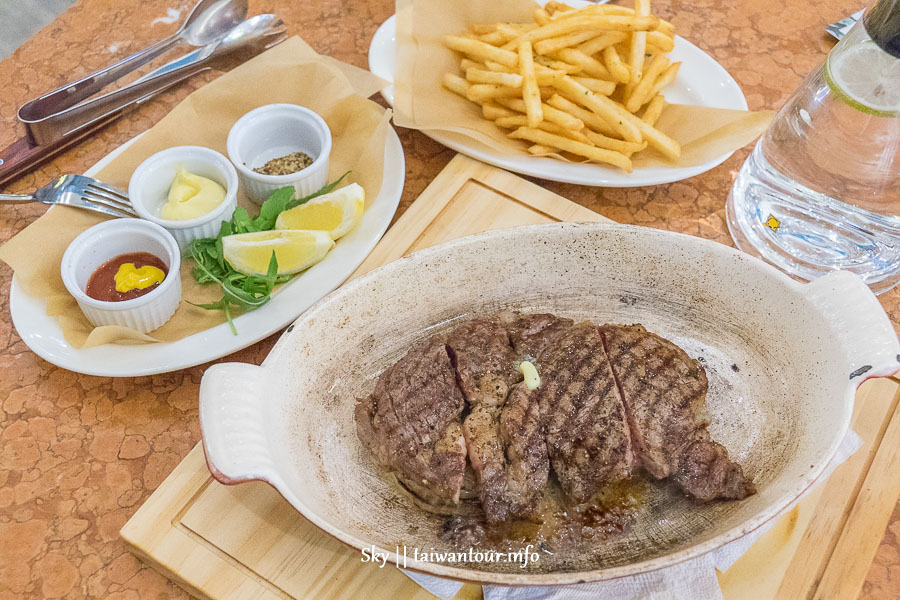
[530, 91]
[578, 148]
[585, 83]
[654, 109]
[640, 95]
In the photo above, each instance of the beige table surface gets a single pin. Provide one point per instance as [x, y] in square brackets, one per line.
[79, 454]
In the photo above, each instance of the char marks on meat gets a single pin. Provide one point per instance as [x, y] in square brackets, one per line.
[484, 361]
[411, 423]
[612, 399]
[504, 438]
[664, 392]
[530, 334]
[586, 427]
[705, 472]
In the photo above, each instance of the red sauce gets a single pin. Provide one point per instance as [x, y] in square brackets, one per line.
[102, 283]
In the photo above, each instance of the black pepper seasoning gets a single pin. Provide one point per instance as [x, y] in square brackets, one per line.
[285, 165]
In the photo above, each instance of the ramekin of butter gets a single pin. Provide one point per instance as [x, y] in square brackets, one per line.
[188, 190]
[124, 272]
[278, 145]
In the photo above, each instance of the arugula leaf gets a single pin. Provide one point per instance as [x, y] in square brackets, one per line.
[325, 190]
[240, 291]
[241, 221]
[271, 208]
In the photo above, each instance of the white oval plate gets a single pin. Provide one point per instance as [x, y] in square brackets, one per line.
[701, 81]
[44, 336]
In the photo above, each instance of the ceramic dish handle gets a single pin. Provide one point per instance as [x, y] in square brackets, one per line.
[859, 324]
[231, 421]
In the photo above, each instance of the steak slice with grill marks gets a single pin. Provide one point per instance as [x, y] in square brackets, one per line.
[502, 429]
[587, 433]
[664, 392]
[484, 360]
[411, 423]
[531, 333]
[705, 472]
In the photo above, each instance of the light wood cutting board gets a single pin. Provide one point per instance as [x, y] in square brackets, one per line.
[245, 542]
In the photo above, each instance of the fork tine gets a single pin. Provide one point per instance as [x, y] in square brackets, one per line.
[125, 205]
[90, 196]
[110, 190]
[81, 202]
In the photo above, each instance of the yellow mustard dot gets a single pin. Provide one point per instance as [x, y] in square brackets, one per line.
[129, 278]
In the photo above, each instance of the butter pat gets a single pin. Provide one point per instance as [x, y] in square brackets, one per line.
[191, 196]
[129, 278]
[529, 372]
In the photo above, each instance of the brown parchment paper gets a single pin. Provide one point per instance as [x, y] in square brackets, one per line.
[290, 72]
[421, 102]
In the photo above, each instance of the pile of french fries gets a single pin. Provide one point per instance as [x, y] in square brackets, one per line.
[585, 82]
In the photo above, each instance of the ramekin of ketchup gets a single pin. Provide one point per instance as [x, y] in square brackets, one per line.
[124, 272]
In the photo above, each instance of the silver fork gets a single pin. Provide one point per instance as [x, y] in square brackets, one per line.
[78, 191]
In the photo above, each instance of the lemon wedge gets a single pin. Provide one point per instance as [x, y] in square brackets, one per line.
[250, 253]
[337, 212]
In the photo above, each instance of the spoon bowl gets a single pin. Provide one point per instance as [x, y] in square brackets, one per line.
[248, 32]
[211, 20]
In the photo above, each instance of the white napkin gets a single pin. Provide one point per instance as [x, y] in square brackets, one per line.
[695, 579]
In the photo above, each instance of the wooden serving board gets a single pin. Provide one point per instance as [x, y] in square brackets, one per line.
[245, 542]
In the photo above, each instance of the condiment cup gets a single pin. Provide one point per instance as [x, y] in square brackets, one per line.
[150, 182]
[112, 238]
[273, 131]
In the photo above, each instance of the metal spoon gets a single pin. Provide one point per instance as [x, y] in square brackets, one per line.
[72, 124]
[254, 31]
[209, 21]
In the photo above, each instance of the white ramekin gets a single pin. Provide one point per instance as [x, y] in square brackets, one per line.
[148, 190]
[107, 240]
[277, 130]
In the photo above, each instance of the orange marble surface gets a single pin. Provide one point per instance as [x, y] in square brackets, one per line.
[79, 454]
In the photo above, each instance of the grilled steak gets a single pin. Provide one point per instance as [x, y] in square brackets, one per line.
[411, 423]
[527, 461]
[505, 442]
[530, 334]
[484, 360]
[664, 392]
[611, 399]
[705, 472]
[587, 433]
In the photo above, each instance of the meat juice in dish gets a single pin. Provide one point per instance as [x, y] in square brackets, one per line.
[126, 276]
[563, 465]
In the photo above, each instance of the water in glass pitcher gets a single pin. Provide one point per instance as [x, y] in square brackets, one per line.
[821, 189]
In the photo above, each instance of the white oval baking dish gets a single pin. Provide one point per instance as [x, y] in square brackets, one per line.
[783, 358]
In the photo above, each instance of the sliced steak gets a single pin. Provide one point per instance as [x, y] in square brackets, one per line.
[664, 391]
[411, 423]
[705, 472]
[484, 360]
[505, 442]
[522, 433]
[587, 432]
[530, 334]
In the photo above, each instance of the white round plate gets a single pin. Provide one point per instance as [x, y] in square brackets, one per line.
[701, 81]
[44, 336]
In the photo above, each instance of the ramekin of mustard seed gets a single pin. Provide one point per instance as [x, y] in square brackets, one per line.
[285, 165]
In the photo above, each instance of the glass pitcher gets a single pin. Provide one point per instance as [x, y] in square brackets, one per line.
[821, 189]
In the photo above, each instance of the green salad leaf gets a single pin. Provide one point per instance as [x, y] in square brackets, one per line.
[240, 291]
